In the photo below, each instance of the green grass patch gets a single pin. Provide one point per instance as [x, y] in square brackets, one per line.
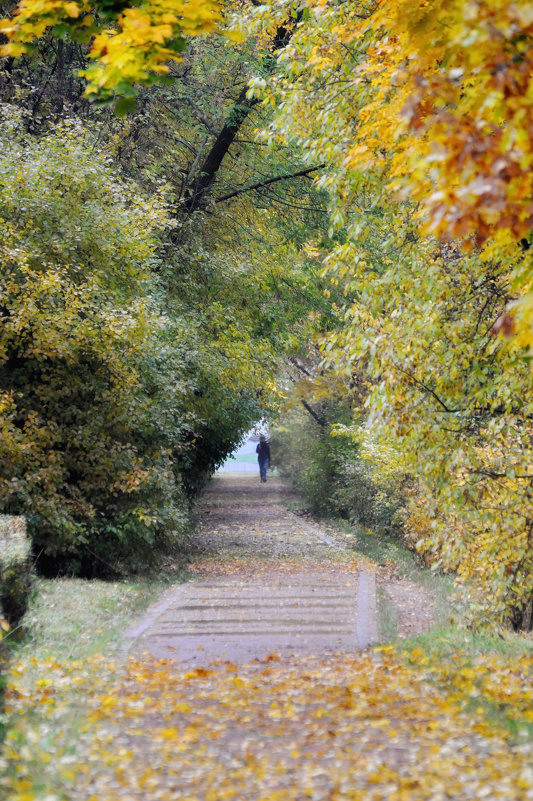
[383, 549]
[72, 618]
[490, 673]
[446, 641]
[247, 458]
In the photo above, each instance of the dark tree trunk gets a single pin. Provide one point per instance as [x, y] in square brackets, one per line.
[198, 189]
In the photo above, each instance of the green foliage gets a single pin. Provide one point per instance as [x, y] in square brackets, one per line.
[146, 343]
[329, 469]
[15, 587]
[89, 379]
[15, 571]
[135, 352]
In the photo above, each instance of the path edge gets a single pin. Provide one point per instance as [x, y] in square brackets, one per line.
[150, 615]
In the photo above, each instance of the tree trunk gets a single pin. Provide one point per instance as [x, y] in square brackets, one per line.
[198, 189]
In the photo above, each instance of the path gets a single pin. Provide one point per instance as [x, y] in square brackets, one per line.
[300, 713]
[273, 583]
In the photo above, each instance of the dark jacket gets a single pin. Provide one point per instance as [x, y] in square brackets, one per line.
[263, 452]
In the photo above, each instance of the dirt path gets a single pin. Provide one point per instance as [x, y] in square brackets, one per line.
[269, 582]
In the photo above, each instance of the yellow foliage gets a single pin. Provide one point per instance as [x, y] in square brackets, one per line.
[422, 114]
[496, 681]
[138, 44]
[436, 107]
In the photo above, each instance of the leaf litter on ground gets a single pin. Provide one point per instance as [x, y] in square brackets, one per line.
[363, 727]
[381, 724]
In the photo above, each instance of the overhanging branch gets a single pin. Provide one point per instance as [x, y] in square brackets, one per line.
[427, 389]
[198, 189]
[268, 182]
[315, 415]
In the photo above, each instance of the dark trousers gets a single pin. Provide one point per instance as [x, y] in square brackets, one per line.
[263, 464]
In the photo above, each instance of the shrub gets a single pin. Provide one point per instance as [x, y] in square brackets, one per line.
[129, 367]
[330, 471]
[91, 383]
[15, 570]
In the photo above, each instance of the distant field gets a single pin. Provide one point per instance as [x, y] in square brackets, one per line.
[244, 460]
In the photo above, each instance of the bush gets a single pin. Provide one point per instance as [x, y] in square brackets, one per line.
[329, 471]
[15, 588]
[15, 570]
[128, 368]
[91, 382]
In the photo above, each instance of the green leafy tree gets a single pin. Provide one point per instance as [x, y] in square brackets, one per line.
[213, 312]
[91, 380]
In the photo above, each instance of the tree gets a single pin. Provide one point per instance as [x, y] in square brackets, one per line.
[129, 43]
[91, 382]
[374, 92]
[222, 313]
[443, 117]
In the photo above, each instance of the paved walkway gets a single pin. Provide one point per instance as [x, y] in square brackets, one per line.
[268, 582]
[295, 710]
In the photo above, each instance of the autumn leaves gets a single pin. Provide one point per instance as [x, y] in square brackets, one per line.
[422, 114]
[128, 44]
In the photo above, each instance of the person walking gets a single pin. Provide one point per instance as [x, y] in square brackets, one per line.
[263, 457]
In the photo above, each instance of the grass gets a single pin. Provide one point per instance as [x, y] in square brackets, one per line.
[487, 658]
[70, 622]
[384, 549]
[466, 661]
[72, 618]
[445, 641]
[453, 630]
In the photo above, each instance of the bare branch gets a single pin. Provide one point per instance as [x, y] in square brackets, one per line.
[268, 182]
[200, 187]
[427, 389]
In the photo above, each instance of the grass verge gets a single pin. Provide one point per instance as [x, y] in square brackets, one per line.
[72, 618]
[55, 665]
[489, 671]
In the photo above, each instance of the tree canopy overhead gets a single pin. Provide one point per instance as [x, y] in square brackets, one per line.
[129, 42]
[344, 204]
[441, 115]
[172, 323]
